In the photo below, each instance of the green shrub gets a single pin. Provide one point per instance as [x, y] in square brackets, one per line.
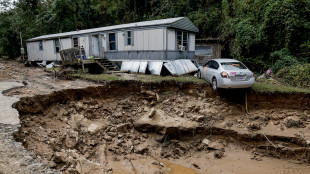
[283, 59]
[297, 75]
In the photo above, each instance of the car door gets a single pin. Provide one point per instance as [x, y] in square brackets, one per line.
[207, 71]
[213, 70]
[202, 71]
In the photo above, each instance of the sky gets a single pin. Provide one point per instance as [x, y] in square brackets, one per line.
[2, 7]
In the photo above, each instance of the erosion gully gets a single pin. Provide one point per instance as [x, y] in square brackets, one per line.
[167, 127]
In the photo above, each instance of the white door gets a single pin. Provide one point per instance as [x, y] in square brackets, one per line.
[95, 45]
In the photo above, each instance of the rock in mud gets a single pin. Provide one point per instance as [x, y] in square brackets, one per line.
[293, 121]
[72, 138]
[124, 127]
[215, 146]
[158, 97]
[50, 164]
[206, 142]
[86, 166]
[151, 113]
[107, 138]
[196, 166]
[93, 128]
[151, 93]
[254, 126]
[141, 150]
[219, 154]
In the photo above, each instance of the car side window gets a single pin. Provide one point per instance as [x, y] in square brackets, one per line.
[210, 64]
[216, 65]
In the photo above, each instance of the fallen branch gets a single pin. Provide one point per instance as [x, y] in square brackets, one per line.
[99, 93]
[269, 141]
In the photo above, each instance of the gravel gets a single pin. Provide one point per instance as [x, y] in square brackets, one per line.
[14, 157]
[8, 115]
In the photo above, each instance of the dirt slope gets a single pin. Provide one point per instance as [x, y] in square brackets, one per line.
[131, 127]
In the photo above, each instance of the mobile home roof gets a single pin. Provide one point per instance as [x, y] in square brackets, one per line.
[180, 23]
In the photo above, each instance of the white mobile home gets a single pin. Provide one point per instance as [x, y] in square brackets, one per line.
[159, 40]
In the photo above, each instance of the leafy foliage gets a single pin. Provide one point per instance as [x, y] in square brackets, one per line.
[283, 59]
[298, 75]
[253, 31]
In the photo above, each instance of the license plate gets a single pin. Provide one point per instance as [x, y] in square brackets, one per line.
[240, 77]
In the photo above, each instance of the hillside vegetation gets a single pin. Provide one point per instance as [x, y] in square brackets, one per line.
[261, 33]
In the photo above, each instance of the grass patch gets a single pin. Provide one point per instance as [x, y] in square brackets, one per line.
[98, 77]
[274, 86]
[154, 78]
[138, 77]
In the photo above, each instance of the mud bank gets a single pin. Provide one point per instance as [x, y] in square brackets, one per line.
[133, 127]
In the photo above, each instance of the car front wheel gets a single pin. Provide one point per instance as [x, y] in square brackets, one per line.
[214, 84]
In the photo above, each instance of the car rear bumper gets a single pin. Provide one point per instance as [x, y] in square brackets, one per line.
[227, 83]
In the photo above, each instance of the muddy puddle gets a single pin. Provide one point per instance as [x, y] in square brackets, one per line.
[170, 128]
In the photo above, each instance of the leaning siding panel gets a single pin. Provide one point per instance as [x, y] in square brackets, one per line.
[66, 43]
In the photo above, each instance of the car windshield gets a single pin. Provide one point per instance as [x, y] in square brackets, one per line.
[233, 65]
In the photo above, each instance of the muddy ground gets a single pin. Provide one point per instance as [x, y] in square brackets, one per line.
[133, 127]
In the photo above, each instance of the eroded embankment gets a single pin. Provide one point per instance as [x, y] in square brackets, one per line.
[121, 126]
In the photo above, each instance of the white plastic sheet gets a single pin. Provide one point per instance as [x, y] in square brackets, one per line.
[135, 67]
[126, 66]
[188, 66]
[142, 68]
[170, 67]
[179, 68]
[155, 67]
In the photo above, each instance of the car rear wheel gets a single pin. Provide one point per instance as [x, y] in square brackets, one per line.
[199, 74]
[214, 84]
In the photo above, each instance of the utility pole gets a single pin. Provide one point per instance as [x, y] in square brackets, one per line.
[22, 51]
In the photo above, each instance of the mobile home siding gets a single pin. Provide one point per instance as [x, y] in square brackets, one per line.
[66, 43]
[84, 41]
[191, 42]
[151, 40]
[33, 51]
[171, 39]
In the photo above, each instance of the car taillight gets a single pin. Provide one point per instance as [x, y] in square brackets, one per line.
[224, 74]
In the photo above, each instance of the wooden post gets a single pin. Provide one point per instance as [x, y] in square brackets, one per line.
[83, 66]
[82, 60]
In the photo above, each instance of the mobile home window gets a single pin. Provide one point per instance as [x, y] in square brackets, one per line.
[57, 46]
[75, 42]
[112, 41]
[41, 45]
[182, 39]
[129, 38]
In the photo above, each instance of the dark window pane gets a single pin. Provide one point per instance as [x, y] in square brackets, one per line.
[57, 47]
[129, 41]
[75, 42]
[112, 37]
[129, 33]
[185, 45]
[41, 46]
[112, 46]
[184, 36]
